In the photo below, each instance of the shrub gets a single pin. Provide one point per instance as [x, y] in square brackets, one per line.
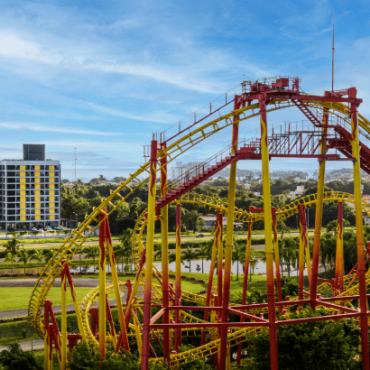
[15, 359]
[87, 357]
[321, 345]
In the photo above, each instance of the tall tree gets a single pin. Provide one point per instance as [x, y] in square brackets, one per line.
[202, 253]
[289, 251]
[24, 256]
[119, 252]
[252, 263]
[188, 256]
[13, 245]
[10, 258]
[238, 256]
[48, 254]
[37, 256]
[92, 251]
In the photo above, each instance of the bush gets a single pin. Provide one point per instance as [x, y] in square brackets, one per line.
[15, 359]
[321, 345]
[199, 364]
[87, 357]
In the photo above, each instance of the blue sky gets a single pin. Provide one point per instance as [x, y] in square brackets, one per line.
[102, 76]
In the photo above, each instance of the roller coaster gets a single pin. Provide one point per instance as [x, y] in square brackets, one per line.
[333, 131]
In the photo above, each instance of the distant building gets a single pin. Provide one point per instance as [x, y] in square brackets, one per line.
[71, 184]
[177, 171]
[210, 221]
[30, 190]
[298, 192]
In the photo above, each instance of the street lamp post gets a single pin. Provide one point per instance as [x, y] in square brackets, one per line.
[76, 218]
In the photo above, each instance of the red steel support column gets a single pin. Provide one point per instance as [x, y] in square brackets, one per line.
[359, 233]
[47, 338]
[178, 275]
[268, 236]
[245, 279]
[211, 271]
[277, 256]
[165, 261]
[339, 258]
[220, 257]
[149, 257]
[94, 317]
[102, 284]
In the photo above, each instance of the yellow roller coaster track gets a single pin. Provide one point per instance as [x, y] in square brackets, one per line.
[85, 229]
[217, 204]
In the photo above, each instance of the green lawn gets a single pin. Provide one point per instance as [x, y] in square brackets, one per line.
[18, 298]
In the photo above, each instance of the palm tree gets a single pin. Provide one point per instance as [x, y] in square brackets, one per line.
[122, 250]
[188, 256]
[202, 252]
[80, 252]
[283, 228]
[10, 258]
[252, 263]
[328, 246]
[37, 256]
[127, 252]
[48, 254]
[13, 244]
[119, 252]
[289, 252]
[127, 236]
[172, 257]
[35, 232]
[158, 251]
[91, 252]
[24, 256]
[237, 256]
[350, 250]
[23, 233]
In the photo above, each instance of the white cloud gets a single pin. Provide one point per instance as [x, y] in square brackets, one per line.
[29, 126]
[159, 117]
[12, 46]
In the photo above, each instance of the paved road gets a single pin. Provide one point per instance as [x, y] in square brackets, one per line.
[54, 245]
[26, 283]
[28, 345]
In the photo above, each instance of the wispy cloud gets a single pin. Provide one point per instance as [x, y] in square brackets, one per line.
[29, 126]
[78, 75]
[159, 117]
[13, 46]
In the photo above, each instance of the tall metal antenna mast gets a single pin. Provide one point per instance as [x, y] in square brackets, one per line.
[75, 166]
[332, 61]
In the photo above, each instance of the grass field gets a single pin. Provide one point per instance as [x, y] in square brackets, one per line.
[18, 298]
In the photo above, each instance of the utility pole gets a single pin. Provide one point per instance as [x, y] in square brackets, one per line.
[332, 60]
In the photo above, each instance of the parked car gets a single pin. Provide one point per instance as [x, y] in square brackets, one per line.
[34, 229]
[49, 228]
[200, 236]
